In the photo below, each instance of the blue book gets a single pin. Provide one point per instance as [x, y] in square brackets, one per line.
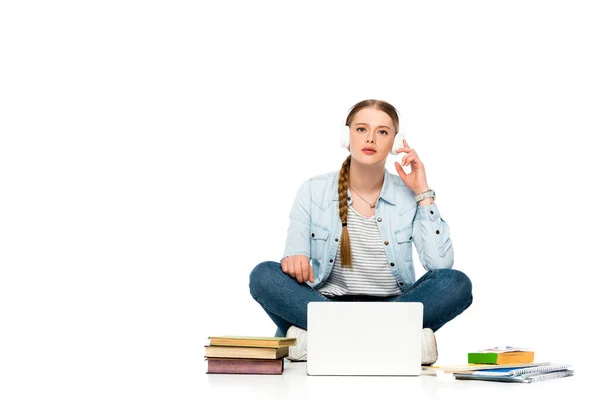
[515, 371]
[523, 375]
[526, 378]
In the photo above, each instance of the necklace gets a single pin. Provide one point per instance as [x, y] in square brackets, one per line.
[371, 205]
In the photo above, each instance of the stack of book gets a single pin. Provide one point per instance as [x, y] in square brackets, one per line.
[504, 364]
[519, 374]
[247, 354]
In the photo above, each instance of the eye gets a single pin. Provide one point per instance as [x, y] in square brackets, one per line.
[360, 127]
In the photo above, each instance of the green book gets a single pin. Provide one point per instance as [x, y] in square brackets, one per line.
[483, 358]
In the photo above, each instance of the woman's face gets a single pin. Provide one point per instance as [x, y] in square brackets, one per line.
[371, 128]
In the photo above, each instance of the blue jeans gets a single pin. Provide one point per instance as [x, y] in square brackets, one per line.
[445, 293]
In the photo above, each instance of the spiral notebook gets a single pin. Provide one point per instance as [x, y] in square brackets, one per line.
[523, 375]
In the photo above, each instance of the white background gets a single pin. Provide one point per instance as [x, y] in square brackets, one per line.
[150, 153]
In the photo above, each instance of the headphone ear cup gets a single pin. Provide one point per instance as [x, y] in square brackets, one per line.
[398, 142]
[345, 136]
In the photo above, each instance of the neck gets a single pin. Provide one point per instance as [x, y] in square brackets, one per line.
[366, 179]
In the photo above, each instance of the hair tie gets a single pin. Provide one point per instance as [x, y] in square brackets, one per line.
[344, 224]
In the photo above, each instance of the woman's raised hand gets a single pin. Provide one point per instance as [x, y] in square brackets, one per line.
[298, 267]
[416, 180]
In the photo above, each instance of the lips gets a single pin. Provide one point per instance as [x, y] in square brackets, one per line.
[368, 151]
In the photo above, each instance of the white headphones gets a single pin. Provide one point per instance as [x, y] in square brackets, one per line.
[345, 137]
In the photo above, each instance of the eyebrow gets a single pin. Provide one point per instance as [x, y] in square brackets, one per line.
[380, 126]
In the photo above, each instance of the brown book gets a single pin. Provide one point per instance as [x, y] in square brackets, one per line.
[246, 352]
[251, 341]
[217, 365]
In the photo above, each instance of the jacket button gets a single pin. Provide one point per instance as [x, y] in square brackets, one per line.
[410, 238]
[386, 242]
[336, 239]
[431, 212]
[438, 232]
[379, 219]
[401, 283]
[392, 264]
[330, 261]
[313, 235]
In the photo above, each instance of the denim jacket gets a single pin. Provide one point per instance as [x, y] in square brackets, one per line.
[315, 228]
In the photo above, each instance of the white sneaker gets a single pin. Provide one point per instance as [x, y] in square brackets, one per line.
[429, 352]
[299, 351]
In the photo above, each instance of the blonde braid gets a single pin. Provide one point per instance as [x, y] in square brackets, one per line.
[343, 183]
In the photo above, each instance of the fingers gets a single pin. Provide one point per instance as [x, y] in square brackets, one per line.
[406, 150]
[305, 271]
[408, 159]
[298, 269]
[287, 266]
[400, 170]
[284, 265]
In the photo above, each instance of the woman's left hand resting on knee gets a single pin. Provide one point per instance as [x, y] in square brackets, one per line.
[298, 267]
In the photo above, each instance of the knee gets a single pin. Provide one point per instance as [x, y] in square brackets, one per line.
[457, 282]
[261, 275]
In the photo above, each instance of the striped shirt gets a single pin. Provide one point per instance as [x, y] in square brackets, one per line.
[370, 273]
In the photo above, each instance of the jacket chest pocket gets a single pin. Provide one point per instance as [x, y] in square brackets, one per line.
[404, 240]
[318, 240]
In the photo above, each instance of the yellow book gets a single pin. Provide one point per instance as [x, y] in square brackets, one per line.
[252, 341]
[270, 353]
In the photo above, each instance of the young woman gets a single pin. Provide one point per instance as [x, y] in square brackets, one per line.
[357, 226]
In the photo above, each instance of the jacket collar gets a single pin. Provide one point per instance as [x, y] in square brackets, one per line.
[387, 191]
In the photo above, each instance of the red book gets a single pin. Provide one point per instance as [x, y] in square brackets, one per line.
[218, 365]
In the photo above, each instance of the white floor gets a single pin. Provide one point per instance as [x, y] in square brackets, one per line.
[295, 384]
[149, 355]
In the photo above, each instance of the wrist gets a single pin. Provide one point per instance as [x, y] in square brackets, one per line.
[423, 192]
[426, 202]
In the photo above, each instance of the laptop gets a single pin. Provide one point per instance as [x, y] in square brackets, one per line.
[364, 338]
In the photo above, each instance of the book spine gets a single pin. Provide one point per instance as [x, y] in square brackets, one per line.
[521, 356]
[482, 358]
[552, 375]
[244, 367]
[247, 344]
[246, 352]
